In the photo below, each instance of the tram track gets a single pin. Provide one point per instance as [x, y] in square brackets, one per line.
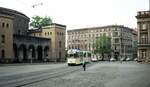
[39, 76]
[54, 75]
[58, 74]
[34, 77]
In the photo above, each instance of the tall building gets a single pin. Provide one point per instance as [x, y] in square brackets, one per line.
[6, 37]
[121, 39]
[19, 44]
[143, 24]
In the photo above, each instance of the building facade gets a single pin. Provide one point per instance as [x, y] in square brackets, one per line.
[56, 33]
[121, 39]
[19, 44]
[143, 24]
[134, 43]
[6, 37]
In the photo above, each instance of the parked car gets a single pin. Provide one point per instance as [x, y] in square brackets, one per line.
[135, 59]
[128, 59]
[123, 59]
[94, 59]
[112, 59]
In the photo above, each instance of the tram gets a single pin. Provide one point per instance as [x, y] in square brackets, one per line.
[74, 57]
[77, 57]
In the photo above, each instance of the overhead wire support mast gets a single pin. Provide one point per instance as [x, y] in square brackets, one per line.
[37, 5]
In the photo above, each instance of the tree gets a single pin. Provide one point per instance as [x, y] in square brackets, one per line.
[103, 45]
[38, 22]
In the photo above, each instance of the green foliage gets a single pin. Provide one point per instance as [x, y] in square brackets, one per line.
[38, 22]
[103, 45]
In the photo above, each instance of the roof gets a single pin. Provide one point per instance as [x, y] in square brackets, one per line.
[12, 12]
[30, 37]
[99, 27]
[73, 51]
[55, 25]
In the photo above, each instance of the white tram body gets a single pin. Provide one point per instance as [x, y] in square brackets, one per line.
[77, 57]
[74, 61]
[74, 57]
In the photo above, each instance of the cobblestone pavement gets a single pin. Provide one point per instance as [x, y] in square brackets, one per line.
[103, 74]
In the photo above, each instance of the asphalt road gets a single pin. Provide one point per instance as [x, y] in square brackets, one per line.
[103, 74]
[99, 74]
[19, 75]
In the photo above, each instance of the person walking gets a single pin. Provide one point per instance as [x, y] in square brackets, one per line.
[84, 66]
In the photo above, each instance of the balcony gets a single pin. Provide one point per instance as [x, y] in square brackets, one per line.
[144, 31]
[143, 44]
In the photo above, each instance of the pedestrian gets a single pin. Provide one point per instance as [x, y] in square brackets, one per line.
[84, 66]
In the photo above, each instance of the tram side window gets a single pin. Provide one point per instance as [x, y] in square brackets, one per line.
[76, 55]
[70, 55]
[73, 55]
[84, 54]
[89, 54]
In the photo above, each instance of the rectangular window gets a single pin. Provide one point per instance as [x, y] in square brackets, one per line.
[89, 35]
[144, 26]
[115, 34]
[116, 40]
[143, 54]
[144, 39]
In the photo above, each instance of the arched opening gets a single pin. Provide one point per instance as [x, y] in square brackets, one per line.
[59, 55]
[46, 53]
[23, 53]
[31, 52]
[39, 53]
[3, 54]
[59, 59]
[15, 49]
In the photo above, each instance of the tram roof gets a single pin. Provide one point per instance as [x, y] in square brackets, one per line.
[73, 51]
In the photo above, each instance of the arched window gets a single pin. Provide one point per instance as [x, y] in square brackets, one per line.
[3, 25]
[7, 25]
[3, 38]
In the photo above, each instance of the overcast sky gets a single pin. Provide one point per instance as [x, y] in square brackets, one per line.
[82, 13]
